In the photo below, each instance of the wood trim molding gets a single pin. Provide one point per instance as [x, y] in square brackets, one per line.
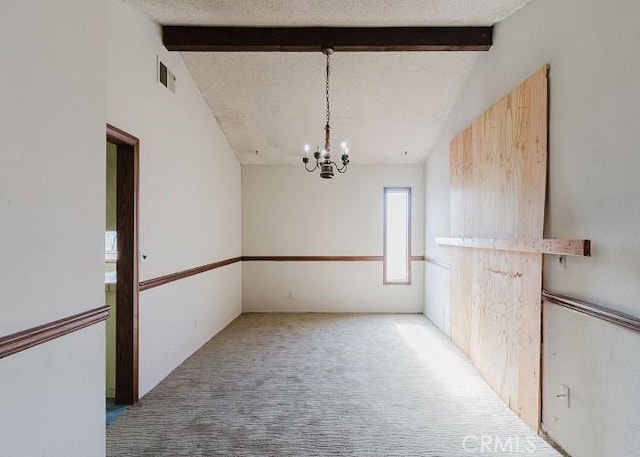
[127, 204]
[544, 246]
[120, 136]
[311, 39]
[439, 263]
[159, 281]
[606, 314]
[18, 342]
[313, 258]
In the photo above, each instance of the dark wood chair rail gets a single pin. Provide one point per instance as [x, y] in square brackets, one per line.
[17, 342]
[155, 282]
[600, 312]
[165, 279]
[312, 258]
[589, 309]
[437, 262]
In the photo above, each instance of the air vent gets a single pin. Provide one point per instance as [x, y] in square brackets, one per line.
[165, 77]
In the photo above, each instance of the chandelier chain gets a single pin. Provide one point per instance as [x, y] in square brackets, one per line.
[327, 92]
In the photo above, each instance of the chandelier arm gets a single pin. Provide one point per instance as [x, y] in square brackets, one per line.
[313, 169]
[343, 169]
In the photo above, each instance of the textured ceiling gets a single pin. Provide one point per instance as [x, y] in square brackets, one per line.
[328, 12]
[382, 104]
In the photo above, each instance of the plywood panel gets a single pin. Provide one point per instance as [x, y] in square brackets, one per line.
[498, 178]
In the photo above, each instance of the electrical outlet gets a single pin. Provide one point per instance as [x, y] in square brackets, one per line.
[292, 296]
[562, 261]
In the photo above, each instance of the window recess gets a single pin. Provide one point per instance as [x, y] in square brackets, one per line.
[397, 235]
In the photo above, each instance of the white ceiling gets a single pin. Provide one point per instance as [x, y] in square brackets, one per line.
[382, 104]
[357, 13]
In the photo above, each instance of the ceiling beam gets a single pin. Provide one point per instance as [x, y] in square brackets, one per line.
[311, 39]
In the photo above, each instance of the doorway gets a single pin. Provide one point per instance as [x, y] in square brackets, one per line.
[121, 265]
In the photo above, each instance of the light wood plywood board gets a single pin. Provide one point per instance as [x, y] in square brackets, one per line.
[546, 246]
[498, 178]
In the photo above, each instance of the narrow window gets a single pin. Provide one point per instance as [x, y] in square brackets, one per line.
[397, 235]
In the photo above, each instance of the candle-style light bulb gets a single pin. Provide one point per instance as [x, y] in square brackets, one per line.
[307, 148]
[343, 145]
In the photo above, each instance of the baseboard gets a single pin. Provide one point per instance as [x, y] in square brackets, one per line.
[544, 434]
[325, 311]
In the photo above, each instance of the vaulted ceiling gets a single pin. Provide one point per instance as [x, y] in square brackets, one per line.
[389, 106]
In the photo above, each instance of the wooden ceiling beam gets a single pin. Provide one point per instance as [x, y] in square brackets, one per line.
[312, 39]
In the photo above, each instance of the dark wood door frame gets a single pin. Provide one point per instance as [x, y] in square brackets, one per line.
[127, 189]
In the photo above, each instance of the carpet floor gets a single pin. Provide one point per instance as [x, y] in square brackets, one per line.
[316, 385]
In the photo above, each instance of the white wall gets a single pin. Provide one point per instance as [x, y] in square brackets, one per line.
[190, 207]
[599, 362]
[593, 48]
[289, 212]
[436, 281]
[436, 296]
[52, 193]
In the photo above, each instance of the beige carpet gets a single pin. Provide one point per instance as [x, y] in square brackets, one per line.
[313, 385]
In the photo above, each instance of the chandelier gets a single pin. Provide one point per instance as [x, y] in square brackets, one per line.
[323, 157]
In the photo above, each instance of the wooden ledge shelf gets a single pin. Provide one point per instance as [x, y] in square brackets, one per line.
[543, 246]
